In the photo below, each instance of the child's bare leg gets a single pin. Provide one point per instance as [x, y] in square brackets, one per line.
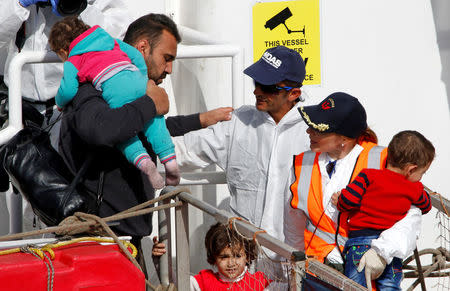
[172, 172]
[149, 168]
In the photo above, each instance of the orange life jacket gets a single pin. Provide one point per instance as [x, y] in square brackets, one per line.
[307, 196]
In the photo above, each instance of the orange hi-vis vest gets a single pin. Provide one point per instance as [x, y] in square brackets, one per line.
[307, 196]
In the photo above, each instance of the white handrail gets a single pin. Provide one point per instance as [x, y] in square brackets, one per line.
[15, 118]
[189, 35]
[203, 178]
[216, 51]
[15, 93]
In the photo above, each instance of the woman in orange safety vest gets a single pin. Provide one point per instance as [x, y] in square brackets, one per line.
[341, 145]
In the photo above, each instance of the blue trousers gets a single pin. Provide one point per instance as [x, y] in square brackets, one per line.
[125, 87]
[354, 249]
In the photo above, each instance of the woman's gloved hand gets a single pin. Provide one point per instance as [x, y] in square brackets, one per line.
[26, 3]
[54, 3]
[373, 265]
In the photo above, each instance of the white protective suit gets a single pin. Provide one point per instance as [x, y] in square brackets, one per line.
[40, 82]
[256, 155]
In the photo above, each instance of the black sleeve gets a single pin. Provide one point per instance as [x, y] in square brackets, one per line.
[98, 124]
[182, 124]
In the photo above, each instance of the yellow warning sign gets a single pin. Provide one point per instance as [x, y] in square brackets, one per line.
[294, 24]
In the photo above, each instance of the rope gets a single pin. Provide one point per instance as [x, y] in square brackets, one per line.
[158, 199]
[436, 269]
[111, 234]
[116, 240]
[232, 224]
[72, 228]
[442, 203]
[49, 247]
[441, 199]
[49, 266]
[440, 258]
[231, 221]
[52, 273]
[256, 233]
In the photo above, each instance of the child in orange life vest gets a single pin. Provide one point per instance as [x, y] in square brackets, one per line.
[231, 254]
[377, 199]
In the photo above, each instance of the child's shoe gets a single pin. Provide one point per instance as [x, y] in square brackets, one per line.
[149, 168]
[172, 172]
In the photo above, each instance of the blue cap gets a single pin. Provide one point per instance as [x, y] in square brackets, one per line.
[277, 64]
[340, 113]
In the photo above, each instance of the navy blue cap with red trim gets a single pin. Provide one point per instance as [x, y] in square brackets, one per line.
[340, 113]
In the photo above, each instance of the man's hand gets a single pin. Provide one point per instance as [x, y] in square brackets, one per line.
[373, 265]
[159, 97]
[213, 116]
[159, 248]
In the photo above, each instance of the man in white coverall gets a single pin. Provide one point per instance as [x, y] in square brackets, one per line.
[256, 147]
[25, 25]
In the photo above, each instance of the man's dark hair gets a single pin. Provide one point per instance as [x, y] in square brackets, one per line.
[220, 236]
[293, 83]
[151, 27]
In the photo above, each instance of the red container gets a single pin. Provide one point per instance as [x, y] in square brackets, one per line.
[80, 266]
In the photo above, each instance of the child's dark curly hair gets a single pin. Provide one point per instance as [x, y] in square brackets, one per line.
[65, 31]
[410, 147]
[220, 236]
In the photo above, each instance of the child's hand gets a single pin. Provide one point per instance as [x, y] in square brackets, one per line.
[335, 197]
[159, 248]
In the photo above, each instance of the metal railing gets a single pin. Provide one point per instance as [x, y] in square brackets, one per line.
[203, 178]
[438, 201]
[294, 257]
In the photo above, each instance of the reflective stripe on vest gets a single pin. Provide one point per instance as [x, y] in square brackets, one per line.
[326, 236]
[305, 180]
[374, 159]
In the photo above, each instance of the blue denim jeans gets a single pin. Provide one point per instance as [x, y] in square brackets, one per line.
[354, 249]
